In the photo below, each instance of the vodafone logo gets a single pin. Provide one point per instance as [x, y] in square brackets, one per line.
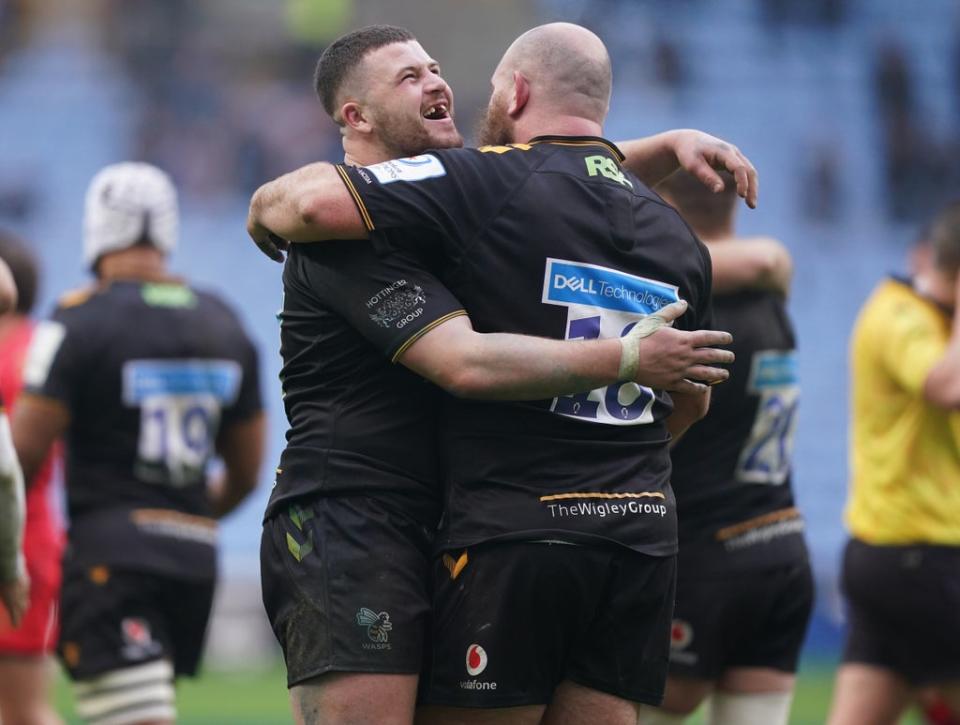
[681, 634]
[476, 660]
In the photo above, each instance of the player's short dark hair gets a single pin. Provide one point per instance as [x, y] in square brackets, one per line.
[24, 268]
[344, 54]
[943, 236]
[703, 209]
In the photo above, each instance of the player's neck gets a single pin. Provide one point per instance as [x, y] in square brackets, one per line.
[716, 235]
[934, 286]
[138, 264]
[365, 152]
[546, 124]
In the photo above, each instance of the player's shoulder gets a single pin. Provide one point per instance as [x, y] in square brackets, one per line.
[896, 308]
[77, 297]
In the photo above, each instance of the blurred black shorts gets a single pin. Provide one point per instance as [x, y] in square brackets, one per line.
[512, 620]
[346, 586]
[110, 620]
[904, 609]
[739, 618]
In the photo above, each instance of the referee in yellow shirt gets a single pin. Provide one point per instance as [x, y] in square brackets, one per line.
[901, 568]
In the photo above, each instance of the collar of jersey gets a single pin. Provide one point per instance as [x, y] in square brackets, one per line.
[581, 141]
[908, 283]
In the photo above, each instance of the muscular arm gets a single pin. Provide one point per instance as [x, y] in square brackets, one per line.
[310, 204]
[8, 289]
[240, 445]
[759, 263]
[37, 423]
[654, 158]
[501, 366]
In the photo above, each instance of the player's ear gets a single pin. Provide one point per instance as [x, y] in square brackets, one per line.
[520, 95]
[354, 117]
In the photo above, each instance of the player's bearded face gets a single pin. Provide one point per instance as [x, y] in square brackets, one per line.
[495, 127]
[412, 107]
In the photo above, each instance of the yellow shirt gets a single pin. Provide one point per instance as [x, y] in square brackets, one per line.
[904, 452]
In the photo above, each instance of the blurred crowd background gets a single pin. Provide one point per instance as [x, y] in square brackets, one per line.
[850, 109]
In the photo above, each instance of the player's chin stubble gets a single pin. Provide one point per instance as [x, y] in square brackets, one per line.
[493, 127]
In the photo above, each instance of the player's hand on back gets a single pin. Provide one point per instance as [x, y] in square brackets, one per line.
[268, 242]
[700, 154]
[15, 596]
[658, 356]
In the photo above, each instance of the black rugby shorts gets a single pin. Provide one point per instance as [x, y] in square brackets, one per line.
[725, 618]
[904, 609]
[111, 620]
[512, 620]
[346, 586]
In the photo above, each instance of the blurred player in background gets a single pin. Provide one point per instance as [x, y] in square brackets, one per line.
[901, 567]
[745, 589]
[347, 313]
[14, 582]
[25, 662]
[146, 378]
[494, 213]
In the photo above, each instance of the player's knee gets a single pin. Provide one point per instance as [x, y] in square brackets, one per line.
[139, 694]
[647, 715]
[766, 708]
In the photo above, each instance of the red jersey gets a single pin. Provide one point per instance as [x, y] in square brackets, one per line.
[43, 535]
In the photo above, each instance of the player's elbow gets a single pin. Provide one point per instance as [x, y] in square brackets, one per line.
[465, 381]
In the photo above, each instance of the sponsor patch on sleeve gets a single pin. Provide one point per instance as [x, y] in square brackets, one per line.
[415, 168]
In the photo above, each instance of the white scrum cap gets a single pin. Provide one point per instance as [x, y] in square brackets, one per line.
[128, 202]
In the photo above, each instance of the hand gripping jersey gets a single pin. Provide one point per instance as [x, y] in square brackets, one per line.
[731, 471]
[150, 373]
[358, 425]
[555, 239]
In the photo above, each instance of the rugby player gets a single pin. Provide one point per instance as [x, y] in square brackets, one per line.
[145, 377]
[25, 652]
[586, 251]
[903, 509]
[14, 583]
[745, 589]
[346, 313]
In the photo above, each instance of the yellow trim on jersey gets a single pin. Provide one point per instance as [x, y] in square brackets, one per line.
[420, 333]
[361, 207]
[455, 566]
[75, 298]
[773, 517]
[504, 149]
[595, 494]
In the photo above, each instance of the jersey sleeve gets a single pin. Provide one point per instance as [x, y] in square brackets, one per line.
[391, 300]
[444, 197]
[913, 342]
[55, 360]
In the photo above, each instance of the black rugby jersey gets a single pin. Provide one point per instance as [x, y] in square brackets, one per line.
[731, 471]
[555, 239]
[358, 424]
[149, 372]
